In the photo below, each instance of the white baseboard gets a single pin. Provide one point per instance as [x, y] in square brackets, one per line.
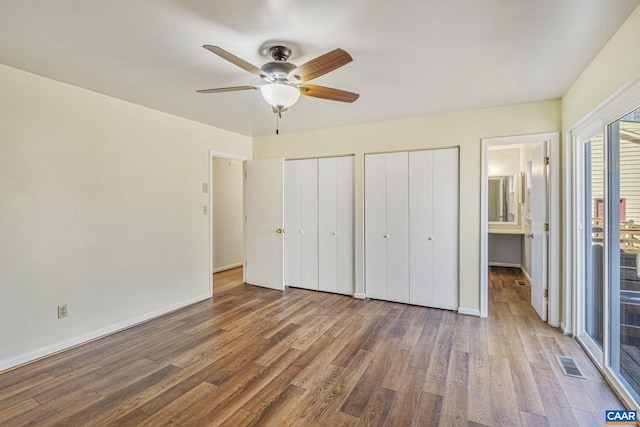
[359, 295]
[504, 264]
[91, 336]
[525, 273]
[228, 267]
[564, 329]
[469, 311]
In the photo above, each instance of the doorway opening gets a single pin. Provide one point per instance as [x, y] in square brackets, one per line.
[519, 221]
[226, 248]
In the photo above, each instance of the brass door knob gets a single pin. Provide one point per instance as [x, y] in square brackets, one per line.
[279, 231]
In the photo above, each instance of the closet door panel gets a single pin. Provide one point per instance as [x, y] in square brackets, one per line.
[291, 223]
[345, 225]
[421, 243]
[375, 226]
[308, 173]
[327, 224]
[446, 235]
[397, 236]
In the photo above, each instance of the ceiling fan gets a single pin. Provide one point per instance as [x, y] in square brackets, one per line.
[285, 81]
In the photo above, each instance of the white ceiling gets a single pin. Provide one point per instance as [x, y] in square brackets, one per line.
[411, 58]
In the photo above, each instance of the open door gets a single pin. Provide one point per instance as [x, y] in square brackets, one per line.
[539, 232]
[263, 210]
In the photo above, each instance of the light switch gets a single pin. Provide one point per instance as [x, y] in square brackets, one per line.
[205, 187]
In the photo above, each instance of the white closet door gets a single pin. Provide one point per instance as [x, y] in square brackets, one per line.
[446, 191]
[327, 225]
[292, 223]
[308, 173]
[421, 207]
[397, 236]
[375, 213]
[345, 210]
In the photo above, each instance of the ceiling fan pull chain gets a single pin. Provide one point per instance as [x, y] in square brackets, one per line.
[277, 123]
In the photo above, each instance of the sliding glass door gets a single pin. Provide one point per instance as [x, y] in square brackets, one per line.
[608, 225]
[608, 248]
[623, 241]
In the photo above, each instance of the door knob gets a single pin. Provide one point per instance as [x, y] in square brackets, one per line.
[300, 231]
[386, 236]
[279, 231]
[430, 238]
[530, 235]
[334, 234]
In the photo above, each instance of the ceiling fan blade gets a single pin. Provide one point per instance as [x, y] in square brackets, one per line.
[320, 66]
[228, 89]
[238, 61]
[328, 93]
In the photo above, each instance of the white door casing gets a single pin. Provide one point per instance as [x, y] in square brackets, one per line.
[263, 209]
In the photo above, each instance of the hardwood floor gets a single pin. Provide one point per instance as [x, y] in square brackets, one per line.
[252, 356]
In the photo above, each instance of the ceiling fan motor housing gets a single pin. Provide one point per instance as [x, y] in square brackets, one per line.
[278, 69]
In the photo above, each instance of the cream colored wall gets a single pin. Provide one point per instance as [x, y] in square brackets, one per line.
[227, 213]
[461, 129]
[616, 64]
[100, 208]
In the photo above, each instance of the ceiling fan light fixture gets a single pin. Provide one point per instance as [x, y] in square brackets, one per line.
[280, 95]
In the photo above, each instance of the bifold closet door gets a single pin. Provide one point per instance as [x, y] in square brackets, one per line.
[301, 223]
[421, 213]
[446, 195]
[397, 237]
[375, 220]
[433, 220]
[335, 224]
[386, 226]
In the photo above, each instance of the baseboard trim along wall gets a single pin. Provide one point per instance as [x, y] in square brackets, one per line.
[228, 267]
[359, 295]
[469, 311]
[95, 335]
[504, 264]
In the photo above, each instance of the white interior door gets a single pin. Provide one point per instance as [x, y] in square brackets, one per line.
[397, 236]
[263, 209]
[421, 224]
[446, 191]
[308, 223]
[345, 225]
[539, 245]
[375, 220]
[327, 224]
[292, 223]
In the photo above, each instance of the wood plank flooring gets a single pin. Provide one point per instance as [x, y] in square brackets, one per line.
[253, 356]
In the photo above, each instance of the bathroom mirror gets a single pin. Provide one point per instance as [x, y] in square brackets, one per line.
[502, 201]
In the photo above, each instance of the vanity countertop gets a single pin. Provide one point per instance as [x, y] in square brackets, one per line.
[506, 231]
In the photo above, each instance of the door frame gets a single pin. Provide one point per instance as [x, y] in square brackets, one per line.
[553, 143]
[221, 155]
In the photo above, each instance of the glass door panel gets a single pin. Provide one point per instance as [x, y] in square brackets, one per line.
[623, 239]
[594, 237]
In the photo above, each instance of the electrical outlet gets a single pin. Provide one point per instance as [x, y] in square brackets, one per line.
[62, 311]
[205, 209]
